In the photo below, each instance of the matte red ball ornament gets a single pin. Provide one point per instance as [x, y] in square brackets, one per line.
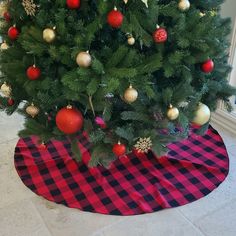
[119, 149]
[13, 33]
[160, 35]
[207, 66]
[115, 18]
[10, 102]
[69, 120]
[73, 4]
[7, 16]
[33, 72]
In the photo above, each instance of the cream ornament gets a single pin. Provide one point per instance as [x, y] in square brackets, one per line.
[184, 5]
[4, 46]
[131, 40]
[172, 113]
[84, 59]
[6, 90]
[49, 34]
[32, 110]
[144, 1]
[202, 114]
[130, 94]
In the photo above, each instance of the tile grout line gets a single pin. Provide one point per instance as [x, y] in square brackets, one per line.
[195, 226]
[45, 224]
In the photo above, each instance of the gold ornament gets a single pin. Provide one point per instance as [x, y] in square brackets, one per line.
[143, 145]
[172, 113]
[202, 114]
[84, 59]
[49, 35]
[145, 2]
[6, 90]
[30, 7]
[130, 94]
[131, 40]
[3, 7]
[32, 110]
[4, 46]
[201, 14]
[184, 5]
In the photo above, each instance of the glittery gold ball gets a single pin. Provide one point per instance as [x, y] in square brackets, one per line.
[130, 94]
[184, 5]
[4, 46]
[6, 90]
[49, 35]
[202, 114]
[32, 110]
[3, 7]
[84, 59]
[172, 113]
[131, 40]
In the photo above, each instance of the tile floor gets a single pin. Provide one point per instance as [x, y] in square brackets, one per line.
[22, 213]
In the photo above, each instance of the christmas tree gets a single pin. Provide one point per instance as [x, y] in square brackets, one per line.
[132, 74]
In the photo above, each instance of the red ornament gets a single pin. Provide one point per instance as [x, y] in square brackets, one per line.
[160, 35]
[33, 72]
[73, 4]
[13, 33]
[69, 120]
[115, 18]
[207, 66]
[119, 149]
[7, 16]
[10, 102]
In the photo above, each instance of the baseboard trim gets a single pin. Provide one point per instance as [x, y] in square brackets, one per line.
[225, 120]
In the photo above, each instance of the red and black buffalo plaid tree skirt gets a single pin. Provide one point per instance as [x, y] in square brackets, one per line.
[133, 184]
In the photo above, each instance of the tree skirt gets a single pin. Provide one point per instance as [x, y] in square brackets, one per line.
[133, 184]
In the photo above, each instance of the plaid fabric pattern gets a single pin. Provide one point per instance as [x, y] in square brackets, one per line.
[135, 184]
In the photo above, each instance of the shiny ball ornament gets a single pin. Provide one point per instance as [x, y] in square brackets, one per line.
[3, 8]
[207, 66]
[119, 149]
[115, 18]
[33, 72]
[84, 59]
[13, 33]
[32, 110]
[172, 113]
[49, 35]
[7, 16]
[10, 102]
[160, 35]
[73, 4]
[130, 94]
[6, 90]
[184, 5]
[202, 114]
[131, 40]
[4, 46]
[69, 120]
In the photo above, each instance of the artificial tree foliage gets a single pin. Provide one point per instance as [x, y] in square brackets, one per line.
[163, 74]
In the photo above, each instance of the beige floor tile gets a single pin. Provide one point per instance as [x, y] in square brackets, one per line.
[220, 222]
[63, 221]
[7, 155]
[22, 219]
[163, 223]
[11, 188]
[9, 126]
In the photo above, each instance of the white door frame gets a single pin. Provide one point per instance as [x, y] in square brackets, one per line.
[221, 116]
